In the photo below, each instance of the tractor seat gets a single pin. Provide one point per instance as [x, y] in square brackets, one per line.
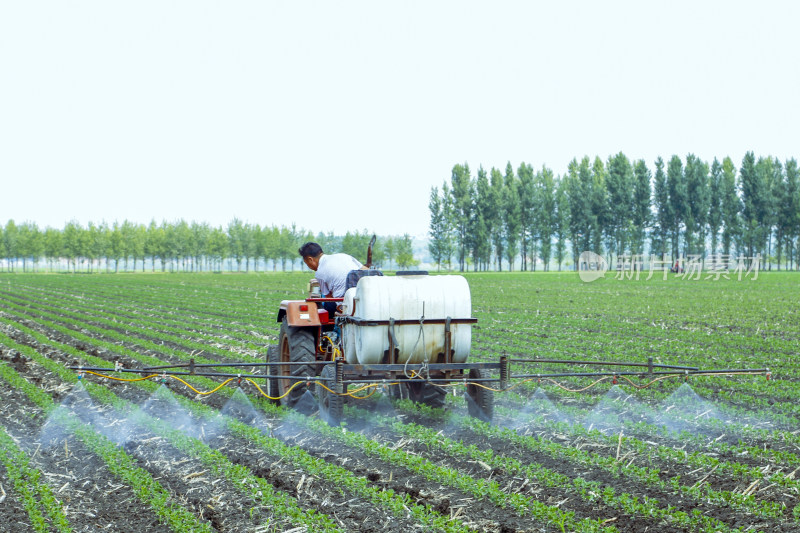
[354, 275]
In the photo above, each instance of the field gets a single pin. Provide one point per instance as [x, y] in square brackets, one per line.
[715, 453]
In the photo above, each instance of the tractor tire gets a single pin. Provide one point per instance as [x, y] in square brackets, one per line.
[273, 356]
[480, 401]
[331, 406]
[426, 393]
[296, 345]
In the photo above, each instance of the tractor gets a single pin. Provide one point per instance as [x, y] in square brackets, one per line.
[410, 332]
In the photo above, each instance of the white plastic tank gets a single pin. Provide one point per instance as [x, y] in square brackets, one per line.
[407, 298]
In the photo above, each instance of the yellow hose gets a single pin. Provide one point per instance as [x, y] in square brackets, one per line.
[374, 386]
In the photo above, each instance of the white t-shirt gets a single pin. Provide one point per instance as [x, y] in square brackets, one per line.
[332, 273]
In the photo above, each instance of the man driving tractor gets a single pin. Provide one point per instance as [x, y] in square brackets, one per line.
[331, 271]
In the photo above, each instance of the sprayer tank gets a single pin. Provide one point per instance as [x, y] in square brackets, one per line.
[381, 298]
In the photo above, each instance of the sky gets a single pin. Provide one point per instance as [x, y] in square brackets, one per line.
[341, 116]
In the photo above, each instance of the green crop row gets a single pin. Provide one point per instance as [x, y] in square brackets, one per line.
[479, 488]
[257, 488]
[36, 494]
[447, 476]
[95, 309]
[122, 339]
[146, 488]
[698, 458]
[398, 504]
[110, 327]
[589, 490]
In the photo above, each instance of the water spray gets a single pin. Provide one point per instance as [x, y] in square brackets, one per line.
[337, 384]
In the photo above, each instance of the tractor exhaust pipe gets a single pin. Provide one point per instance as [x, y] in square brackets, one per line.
[369, 252]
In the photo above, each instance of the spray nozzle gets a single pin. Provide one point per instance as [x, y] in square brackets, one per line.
[615, 380]
[686, 376]
[769, 375]
[163, 378]
[239, 382]
[80, 375]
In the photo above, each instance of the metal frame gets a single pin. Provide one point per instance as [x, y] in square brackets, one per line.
[384, 373]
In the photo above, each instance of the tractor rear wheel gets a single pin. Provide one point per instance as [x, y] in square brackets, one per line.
[331, 405]
[273, 356]
[480, 401]
[427, 393]
[297, 345]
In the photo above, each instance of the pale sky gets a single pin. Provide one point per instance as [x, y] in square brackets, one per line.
[341, 115]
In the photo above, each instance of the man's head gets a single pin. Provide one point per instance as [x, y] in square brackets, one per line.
[311, 252]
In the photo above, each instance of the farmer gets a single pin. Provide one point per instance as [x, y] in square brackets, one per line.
[331, 269]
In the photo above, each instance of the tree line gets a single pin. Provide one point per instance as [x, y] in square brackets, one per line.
[677, 208]
[182, 246]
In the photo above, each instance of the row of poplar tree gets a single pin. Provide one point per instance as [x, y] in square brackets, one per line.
[182, 246]
[679, 208]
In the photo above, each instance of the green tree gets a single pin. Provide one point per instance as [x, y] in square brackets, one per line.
[619, 186]
[697, 197]
[790, 210]
[237, 241]
[72, 242]
[561, 219]
[330, 243]
[378, 251]
[641, 213]
[599, 203]
[186, 245]
[754, 201]
[199, 250]
[116, 245]
[461, 190]
[405, 253]
[217, 247]
[30, 244]
[440, 242]
[715, 203]
[777, 187]
[390, 246]
[96, 249]
[663, 211]
[53, 245]
[286, 246]
[731, 208]
[356, 244]
[676, 187]
[579, 210]
[479, 239]
[172, 245]
[546, 214]
[128, 234]
[526, 197]
[155, 244]
[10, 238]
[497, 227]
[511, 214]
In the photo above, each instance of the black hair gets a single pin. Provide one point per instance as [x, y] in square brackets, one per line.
[310, 249]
